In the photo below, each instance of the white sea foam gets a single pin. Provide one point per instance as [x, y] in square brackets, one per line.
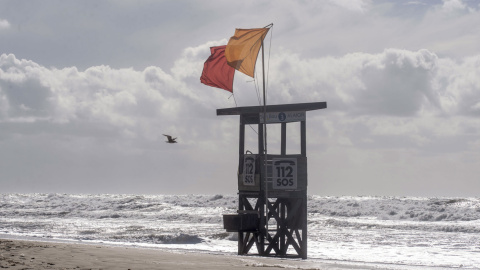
[393, 231]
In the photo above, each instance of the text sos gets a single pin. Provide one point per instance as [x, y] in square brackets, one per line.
[285, 174]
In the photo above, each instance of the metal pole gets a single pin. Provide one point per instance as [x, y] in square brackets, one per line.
[265, 139]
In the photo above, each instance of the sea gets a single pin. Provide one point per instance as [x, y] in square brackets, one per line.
[364, 231]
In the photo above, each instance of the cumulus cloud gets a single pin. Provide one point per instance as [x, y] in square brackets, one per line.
[392, 83]
[395, 82]
[122, 98]
[397, 99]
[108, 121]
[90, 100]
[409, 101]
[458, 86]
[372, 90]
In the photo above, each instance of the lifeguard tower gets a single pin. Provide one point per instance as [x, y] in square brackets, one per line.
[272, 188]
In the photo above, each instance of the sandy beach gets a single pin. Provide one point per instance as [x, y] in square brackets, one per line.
[19, 254]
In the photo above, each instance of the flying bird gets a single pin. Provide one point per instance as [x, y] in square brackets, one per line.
[170, 139]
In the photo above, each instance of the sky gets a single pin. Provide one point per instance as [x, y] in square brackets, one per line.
[87, 88]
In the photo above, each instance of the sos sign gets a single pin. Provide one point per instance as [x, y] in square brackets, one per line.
[249, 170]
[285, 173]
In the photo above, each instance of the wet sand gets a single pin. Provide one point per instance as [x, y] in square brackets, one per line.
[19, 254]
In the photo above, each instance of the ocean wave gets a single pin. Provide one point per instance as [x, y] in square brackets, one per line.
[393, 208]
[179, 207]
[410, 226]
[389, 225]
[179, 238]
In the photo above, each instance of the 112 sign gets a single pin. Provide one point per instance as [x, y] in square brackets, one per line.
[249, 170]
[285, 173]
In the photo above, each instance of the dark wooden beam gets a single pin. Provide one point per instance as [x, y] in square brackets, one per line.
[273, 108]
[260, 139]
[303, 139]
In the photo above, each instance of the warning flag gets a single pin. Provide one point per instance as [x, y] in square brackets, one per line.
[216, 71]
[242, 49]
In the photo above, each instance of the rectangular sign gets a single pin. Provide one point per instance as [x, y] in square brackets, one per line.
[283, 117]
[284, 173]
[249, 170]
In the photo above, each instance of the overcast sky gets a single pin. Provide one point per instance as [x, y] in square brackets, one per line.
[87, 88]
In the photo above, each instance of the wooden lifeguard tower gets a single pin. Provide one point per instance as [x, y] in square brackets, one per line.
[272, 188]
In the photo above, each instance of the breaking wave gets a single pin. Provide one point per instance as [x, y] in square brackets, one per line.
[339, 228]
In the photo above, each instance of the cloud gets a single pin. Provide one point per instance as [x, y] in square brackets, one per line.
[458, 86]
[4, 24]
[132, 104]
[357, 5]
[416, 103]
[86, 100]
[450, 6]
[395, 82]
[312, 28]
[103, 123]
[23, 97]
[394, 100]
[368, 88]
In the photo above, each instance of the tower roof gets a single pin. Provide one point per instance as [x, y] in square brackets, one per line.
[273, 108]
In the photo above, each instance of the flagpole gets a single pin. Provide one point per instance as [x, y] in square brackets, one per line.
[265, 140]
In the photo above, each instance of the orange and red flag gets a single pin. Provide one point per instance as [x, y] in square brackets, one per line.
[240, 53]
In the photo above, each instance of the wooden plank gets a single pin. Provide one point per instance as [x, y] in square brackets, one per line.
[273, 244]
[240, 247]
[260, 139]
[241, 138]
[283, 247]
[273, 108]
[299, 239]
[246, 204]
[304, 228]
[303, 140]
[249, 243]
[283, 229]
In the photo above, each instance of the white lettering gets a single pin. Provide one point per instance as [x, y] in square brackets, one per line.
[280, 117]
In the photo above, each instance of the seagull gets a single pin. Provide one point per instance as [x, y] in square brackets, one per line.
[170, 139]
